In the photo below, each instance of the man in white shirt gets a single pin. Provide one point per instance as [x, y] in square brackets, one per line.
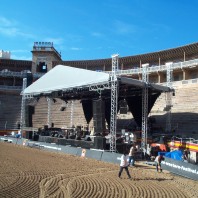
[124, 165]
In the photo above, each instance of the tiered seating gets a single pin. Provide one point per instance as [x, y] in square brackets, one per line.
[39, 119]
[60, 114]
[10, 107]
[184, 117]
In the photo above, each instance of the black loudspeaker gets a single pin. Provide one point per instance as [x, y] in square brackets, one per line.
[100, 143]
[123, 107]
[29, 111]
[28, 135]
[87, 139]
[99, 116]
[123, 110]
[36, 137]
[52, 125]
[45, 127]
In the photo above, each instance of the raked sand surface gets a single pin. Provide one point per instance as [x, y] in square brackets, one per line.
[29, 172]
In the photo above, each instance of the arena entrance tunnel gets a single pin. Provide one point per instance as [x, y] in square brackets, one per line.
[68, 83]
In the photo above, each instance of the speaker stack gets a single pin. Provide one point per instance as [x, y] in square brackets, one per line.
[28, 135]
[98, 116]
[100, 143]
[123, 107]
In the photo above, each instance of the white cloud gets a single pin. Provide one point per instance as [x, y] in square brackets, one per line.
[11, 28]
[124, 28]
[20, 57]
[97, 34]
[6, 22]
[156, 27]
[19, 51]
[76, 48]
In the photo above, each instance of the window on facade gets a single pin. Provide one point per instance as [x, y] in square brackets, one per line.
[42, 67]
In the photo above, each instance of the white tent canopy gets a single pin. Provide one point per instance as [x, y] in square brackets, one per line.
[64, 77]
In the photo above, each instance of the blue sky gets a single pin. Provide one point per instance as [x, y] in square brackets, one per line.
[95, 29]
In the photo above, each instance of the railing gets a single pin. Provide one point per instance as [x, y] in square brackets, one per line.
[4, 87]
[151, 69]
[21, 74]
[13, 74]
[179, 65]
[43, 48]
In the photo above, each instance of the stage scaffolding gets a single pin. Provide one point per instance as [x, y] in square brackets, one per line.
[23, 100]
[145, 79]
[169, 96]
[112, 84]
[114, 102]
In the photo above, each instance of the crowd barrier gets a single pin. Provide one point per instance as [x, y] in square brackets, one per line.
[94, 154]
[51, 144]
[111, 157]
[180, 168]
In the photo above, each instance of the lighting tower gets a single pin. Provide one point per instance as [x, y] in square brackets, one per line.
[71, 113]
[22, 121]
[144, 106]
[49, 117]
[169, 96]
[114, 101]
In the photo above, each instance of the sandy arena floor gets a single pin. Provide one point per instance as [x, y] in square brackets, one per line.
[30, 172]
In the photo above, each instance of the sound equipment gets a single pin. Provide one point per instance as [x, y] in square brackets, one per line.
[98, 116]
[72, 136]
[29, 111]
[78, 138]
[100, 143]
[123, 110]
[28, 134]
[123, 107]
[87, 138]
[36, 137]
[45, 127]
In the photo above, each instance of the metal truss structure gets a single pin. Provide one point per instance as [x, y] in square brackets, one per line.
[144, 106]
[71, 113]
[22, 121]
[100, 87]
[49, 109]
[114, 101]
[154, 68]
[169, 96]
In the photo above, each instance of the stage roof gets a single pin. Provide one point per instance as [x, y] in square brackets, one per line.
[64, 78]
[73, 83]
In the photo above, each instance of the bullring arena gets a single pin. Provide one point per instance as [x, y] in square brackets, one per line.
[29, 172]
[58, 118]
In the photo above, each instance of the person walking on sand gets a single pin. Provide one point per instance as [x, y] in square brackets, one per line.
[132, 155]
[124, 165]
